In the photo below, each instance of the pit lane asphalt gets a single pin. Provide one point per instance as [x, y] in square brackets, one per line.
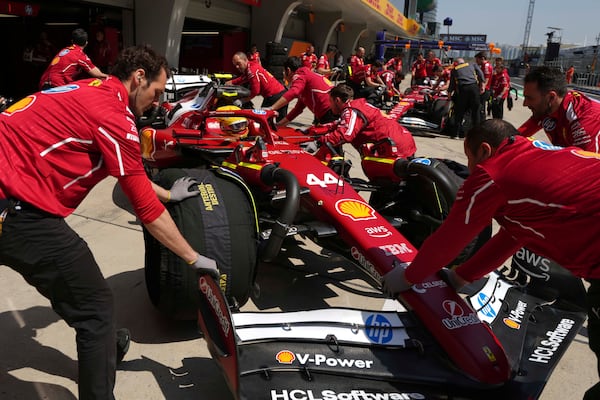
[168, 359]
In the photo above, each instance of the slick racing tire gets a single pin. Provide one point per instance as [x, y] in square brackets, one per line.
[220, 223]
[421, 204]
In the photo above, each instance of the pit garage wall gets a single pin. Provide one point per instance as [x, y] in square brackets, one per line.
[160, 23]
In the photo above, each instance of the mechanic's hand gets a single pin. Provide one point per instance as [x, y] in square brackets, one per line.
[312, 147]
[395, 282]
[205, 265]
[453, 279]
[183, 188]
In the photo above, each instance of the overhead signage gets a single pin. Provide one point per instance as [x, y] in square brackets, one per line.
[459, 37]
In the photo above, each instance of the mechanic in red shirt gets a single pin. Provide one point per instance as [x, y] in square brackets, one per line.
[254, 55]
[569, 118]
[418, 70]
[544, 197]
[442, 78]
[323, 66]
[431, 62]
[55, 146]
[356, 73]
[260, 80]
[488, 70]
[361, 123]
[310, 88]
[309, 58]
[500, 87]
[394, 63]
[69, 63]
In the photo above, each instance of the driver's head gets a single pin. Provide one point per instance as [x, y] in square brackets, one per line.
[144, 73]
[339, 96]
[240, 61]
[233, 127]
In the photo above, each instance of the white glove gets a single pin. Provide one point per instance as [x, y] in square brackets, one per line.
[238, 103]
[183, 188]
[311, 147]
[395, 282]
[453, 279]
[205, 265]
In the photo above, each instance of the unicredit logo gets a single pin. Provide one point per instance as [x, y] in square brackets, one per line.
[453, 308]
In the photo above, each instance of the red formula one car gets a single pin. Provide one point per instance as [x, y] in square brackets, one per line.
[501, 340]
[422, 111]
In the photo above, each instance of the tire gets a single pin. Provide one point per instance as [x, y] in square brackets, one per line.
[220, 224]
[419, 203]
[277, 61]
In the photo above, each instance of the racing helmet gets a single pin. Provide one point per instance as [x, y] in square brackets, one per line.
[234, 126]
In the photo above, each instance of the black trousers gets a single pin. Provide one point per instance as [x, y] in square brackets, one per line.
[484, 99]
[58, 263]
[269, 101]
[498, 108]
[593, 310]
[467, 98]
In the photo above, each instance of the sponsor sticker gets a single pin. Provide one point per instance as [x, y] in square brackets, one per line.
[379, 329]
[355, 210]
[422, 287]
[540, 144]
[486, 307]
[424, 161]
[285, 357]
[378, 232]
[208, 195]
[216, 306]
[259, 112]
[515, 317]
[363, 262]
[457, 319]
[321, 360]
[356, 394]
[396, 249]
[20, 105]
[544, 352]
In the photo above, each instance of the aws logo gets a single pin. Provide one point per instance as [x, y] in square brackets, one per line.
[20, 105]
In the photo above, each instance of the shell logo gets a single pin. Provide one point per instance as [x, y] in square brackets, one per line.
[511, 324]
[585, 154]
[20, 105]
[355, 210]
[95, 82]
[285, 357]
[147, 143]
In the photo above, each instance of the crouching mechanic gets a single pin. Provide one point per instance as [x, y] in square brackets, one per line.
[55, 146]
[544, 197]
[362, 123]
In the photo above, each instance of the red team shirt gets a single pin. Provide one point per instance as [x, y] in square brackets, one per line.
[323, 62]
[419, 68]
[430, 64]
[52, 161]
[309, 60]
[487, 70]
[312, 91]
[508, 188]
[351, 128]
[254, 57]
[575, 123]
[395, 64]
[357, 65]
[63, 69]
[260, 81]
[499, 82]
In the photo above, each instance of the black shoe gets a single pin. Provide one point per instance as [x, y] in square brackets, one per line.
[123, 340]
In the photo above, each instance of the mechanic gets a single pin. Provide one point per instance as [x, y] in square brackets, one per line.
[544, 197]
[254, 54]
[486, 91]
[356, 70]
[442, 78]
[418, 71]
[310, 88]
[309, 58]
[465, 83]
[431, 62]
[69, 63]
[323, 66]
[569, 118]
[361, 123]
[55, 146]
[500, 88]
[394, 63]
[260, 80]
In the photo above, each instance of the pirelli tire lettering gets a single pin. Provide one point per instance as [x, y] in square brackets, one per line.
[298, 394]
[544, 352]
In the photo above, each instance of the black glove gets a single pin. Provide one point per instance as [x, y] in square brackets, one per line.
[183, 188]
[205, 265]
[395, 282]
[451, 278]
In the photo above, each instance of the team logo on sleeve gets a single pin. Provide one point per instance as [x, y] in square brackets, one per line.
[585, 154]
[61, 89]
[20, 105]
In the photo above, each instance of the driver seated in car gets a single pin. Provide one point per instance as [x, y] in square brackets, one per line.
[362, 123]
[233, 128]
